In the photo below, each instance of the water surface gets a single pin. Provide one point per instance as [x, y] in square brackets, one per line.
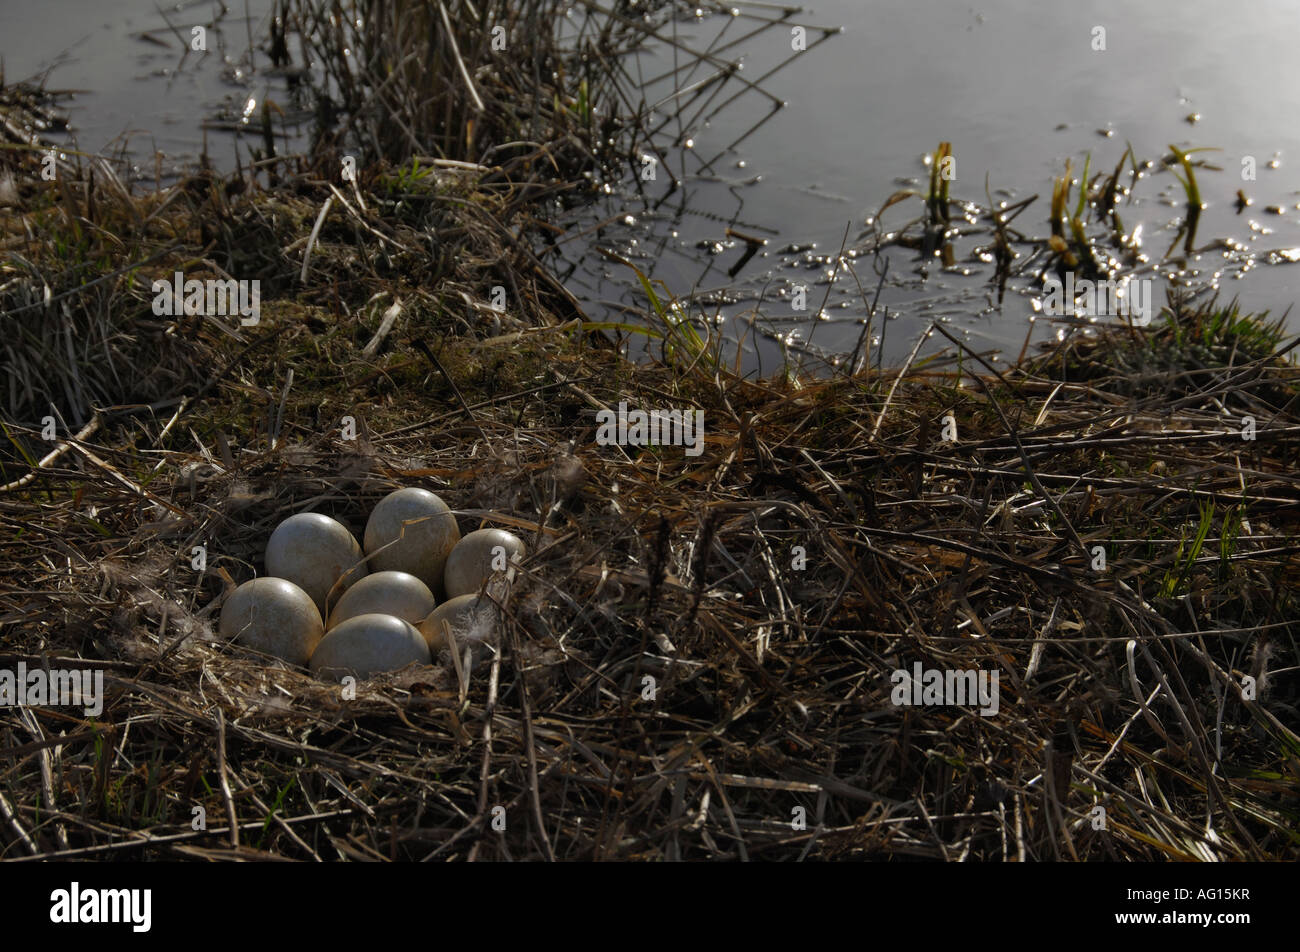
[1016, 87]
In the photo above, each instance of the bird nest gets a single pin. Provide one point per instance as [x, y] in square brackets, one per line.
[699, 656]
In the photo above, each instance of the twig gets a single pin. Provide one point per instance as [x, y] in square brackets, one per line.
[232, 820]
[460, 63]
[7, 812]
[60, 448]
[311, 240]
[386, 325]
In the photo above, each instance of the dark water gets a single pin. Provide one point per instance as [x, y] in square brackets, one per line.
[1016, 87]
[140, 92]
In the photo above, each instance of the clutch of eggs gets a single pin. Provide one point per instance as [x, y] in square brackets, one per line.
[380, 600]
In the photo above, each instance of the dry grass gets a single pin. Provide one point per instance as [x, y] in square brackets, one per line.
[772, 685]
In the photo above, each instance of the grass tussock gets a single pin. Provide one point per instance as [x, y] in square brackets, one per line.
[531, 87]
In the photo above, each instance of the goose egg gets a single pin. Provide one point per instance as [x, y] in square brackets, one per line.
[369, 644]
[421, 530]
[477, 556]
[385, 593]
[474, 621]
[314, 551]
[273, 616]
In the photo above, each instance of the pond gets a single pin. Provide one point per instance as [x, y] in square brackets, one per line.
[800, 148]
[1017, 88]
